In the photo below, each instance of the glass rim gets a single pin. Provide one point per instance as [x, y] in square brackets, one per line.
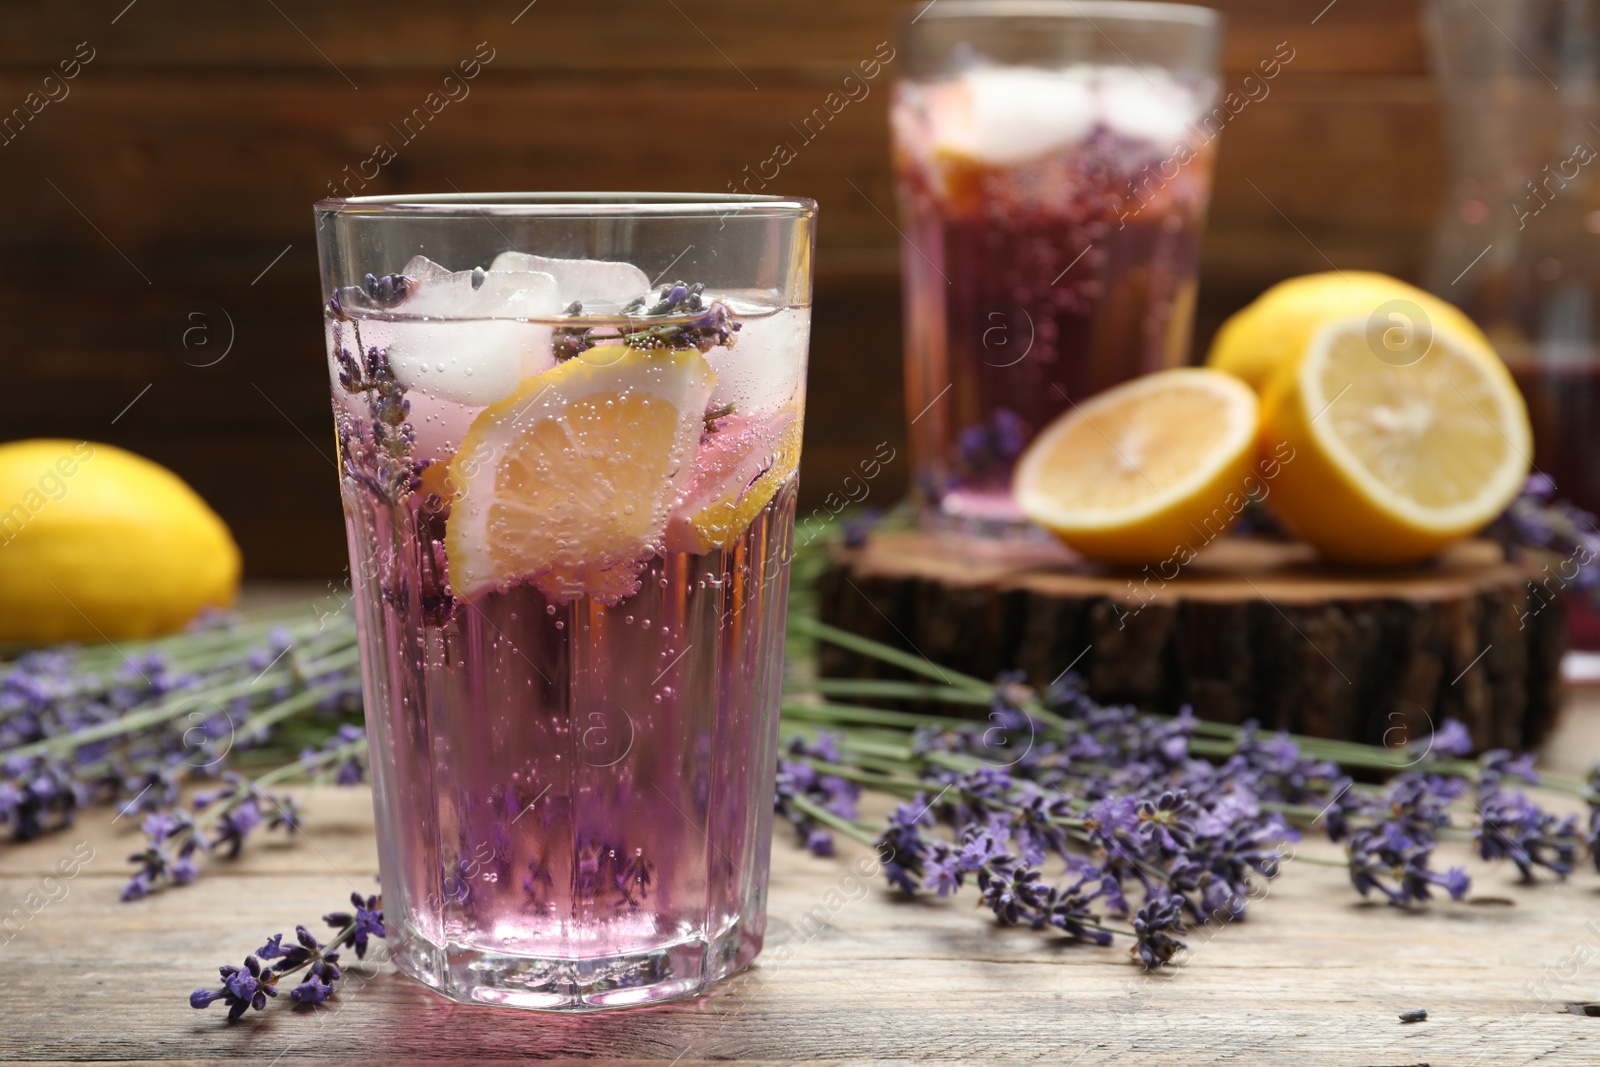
[568, 205]
[1084, 11]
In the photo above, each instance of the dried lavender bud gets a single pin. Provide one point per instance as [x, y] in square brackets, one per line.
[376, 454]
[691, 324]
[1156, 926]
[1513, 827]
[388, 290]
[242, 988]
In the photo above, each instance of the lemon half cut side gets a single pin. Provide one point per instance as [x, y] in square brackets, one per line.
[1395, 460]
[1135, 473]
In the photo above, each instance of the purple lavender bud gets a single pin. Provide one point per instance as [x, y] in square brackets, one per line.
[1450, 739]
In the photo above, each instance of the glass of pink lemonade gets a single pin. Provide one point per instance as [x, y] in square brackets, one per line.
[569, 430]
[1053, 162]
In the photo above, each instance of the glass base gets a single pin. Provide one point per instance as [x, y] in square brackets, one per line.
[672, 972]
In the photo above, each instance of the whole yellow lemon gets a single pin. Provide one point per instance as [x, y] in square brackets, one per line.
[98, 544]
[1275, 328]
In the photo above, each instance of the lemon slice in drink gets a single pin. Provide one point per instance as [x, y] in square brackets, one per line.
[1137, 472]
[1394, 458]
[568, 482]
[739, 469]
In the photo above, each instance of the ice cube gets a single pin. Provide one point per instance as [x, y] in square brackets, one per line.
[765, 368]
[1018, 113]
[477, 351]
[600, 284]
[1147, 105]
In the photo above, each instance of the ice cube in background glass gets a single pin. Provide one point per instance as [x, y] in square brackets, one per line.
[763, 370]
[483, 352]
[600, 284]
[1145, 105]
[1010, 114]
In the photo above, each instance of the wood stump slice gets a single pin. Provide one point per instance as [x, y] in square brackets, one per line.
[1251, 629]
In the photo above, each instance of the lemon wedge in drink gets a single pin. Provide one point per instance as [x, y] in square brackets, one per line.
[1135, 474]
[1394, 455]
[739, 469]
[569, 481]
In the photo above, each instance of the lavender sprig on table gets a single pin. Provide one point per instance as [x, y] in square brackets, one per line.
[1179, 819]
[128, 724]
[176, 839]
[251, 985]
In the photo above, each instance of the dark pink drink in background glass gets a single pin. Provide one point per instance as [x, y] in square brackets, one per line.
[1053, 195]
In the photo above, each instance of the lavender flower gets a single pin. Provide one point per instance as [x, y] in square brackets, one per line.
[169, 854]
[1394, 862]
[1156, 926]
[249, 987]
[690, 322]
[798, 777]
[1539, 527]
[346, 749]
[175, 838]
[243, 988]
[1513, 827]
[366, 922]
[987, 448]
[376, 452]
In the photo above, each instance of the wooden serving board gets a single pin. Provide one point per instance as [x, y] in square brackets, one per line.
[1251, 629]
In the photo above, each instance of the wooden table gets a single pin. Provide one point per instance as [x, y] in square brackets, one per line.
[1313, 977]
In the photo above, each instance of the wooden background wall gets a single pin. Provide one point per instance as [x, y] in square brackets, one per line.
[182, 164]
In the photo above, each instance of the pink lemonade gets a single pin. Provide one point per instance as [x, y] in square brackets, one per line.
[571, 533]
[1052, 233]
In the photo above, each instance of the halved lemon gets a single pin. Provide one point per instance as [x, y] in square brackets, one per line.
[1393, 460]
[1140, 471]
[569, 481]
[1275, 328]
[739, 469]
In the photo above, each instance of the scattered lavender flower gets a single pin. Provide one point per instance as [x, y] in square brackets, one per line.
[347, 751]
[243, 988]
[1156, 926]
[1388, 859]
[250, 986]
[1513, 827]
[797, 777]
[175, 838]
[1566, 537]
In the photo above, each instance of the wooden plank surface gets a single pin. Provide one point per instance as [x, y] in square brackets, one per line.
[1312, 978]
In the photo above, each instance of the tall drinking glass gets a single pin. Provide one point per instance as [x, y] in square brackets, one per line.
[569, 481]
[1053, 160]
